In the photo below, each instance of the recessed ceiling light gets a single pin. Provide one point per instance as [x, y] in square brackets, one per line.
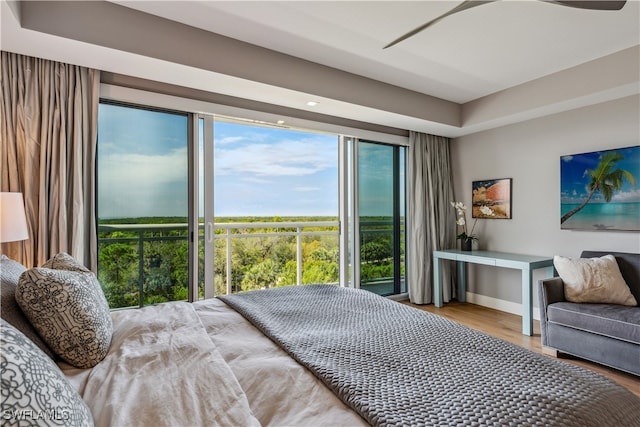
[312, 103]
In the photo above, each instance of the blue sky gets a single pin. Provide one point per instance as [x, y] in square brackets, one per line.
[259, 171]
[574, 178]
[142, 163]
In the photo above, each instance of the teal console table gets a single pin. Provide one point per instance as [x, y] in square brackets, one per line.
[525, 263]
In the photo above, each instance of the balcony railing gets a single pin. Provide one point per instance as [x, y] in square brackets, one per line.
[234, 231]
[141, 264]
[137, 251]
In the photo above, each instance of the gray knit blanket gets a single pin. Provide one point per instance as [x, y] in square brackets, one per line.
[399, 366]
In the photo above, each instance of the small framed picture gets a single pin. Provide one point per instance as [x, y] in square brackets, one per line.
[492, 198]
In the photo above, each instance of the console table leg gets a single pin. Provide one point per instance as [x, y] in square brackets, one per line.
[462, 281]
[527, 305]
[437, 282]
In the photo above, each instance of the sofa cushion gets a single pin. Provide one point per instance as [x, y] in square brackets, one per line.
[69, 311]
[594, 280]
[611, 320]
[34, 390]
[629, 267]
[10, 311]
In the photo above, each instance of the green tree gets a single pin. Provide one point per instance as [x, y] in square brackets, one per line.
[289, 273]
[261, 276]
[376, 251]
[320, 272]
[118, 274]
[605, 179]
[117, 259]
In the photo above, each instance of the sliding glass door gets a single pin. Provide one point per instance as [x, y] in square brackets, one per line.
[380, 215]
[373, 216]
[269, 198]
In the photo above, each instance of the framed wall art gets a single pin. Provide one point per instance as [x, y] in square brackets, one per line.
[600, 190]
[494, 194]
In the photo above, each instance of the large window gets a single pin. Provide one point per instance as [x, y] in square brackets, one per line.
[268, 207]
[142, 182]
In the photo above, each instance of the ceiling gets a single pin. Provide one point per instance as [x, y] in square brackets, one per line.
[465, 57]
[462, 60]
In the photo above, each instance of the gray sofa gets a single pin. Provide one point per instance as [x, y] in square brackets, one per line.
[604, 333]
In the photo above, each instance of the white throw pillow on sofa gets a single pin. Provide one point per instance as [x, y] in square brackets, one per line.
[594, 280]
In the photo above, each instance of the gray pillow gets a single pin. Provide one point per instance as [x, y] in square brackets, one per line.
[10, 311]
[69, 311]
[34, 390]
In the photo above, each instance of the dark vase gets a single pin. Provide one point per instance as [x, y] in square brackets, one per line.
[466, 244]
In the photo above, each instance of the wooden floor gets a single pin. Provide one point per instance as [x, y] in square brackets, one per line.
[509, 328]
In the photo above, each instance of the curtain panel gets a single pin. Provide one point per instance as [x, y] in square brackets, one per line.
[49, 113]
[431, 218]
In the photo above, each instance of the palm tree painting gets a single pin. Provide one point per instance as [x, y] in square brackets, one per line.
[598, 190]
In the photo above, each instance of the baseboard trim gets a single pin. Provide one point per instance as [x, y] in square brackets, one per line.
[499, 304]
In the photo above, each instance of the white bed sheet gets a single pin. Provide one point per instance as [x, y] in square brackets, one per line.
[162, 369]
[281, 392]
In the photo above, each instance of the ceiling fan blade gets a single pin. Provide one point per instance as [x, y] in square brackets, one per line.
[467, 4]
[591, 4]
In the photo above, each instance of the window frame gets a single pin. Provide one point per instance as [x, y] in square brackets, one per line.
[196, 110]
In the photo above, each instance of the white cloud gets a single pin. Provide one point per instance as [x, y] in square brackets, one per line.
[126, 170]
[627, 196]
[229, 139]
[306, 189]
[256, 180]
[284, 158]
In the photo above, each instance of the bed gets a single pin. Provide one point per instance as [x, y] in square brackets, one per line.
[313, 355]
[321, 355]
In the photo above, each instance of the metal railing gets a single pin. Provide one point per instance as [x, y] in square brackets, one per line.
[228, 235]
[142, 233]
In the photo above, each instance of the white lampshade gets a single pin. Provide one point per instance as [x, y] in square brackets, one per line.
[13, 221]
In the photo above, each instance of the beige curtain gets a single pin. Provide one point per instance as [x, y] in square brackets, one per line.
[49, 116]
[431, 219]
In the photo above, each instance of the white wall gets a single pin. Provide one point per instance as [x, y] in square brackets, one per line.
[529, 152]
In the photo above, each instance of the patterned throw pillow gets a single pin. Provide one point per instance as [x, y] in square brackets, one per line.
[10, 311]
[34, 390]
[64, 261]
[69, 311]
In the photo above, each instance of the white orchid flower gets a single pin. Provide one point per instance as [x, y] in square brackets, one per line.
[461, 219]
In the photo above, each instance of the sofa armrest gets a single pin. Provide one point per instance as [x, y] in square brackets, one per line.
[549, 291]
